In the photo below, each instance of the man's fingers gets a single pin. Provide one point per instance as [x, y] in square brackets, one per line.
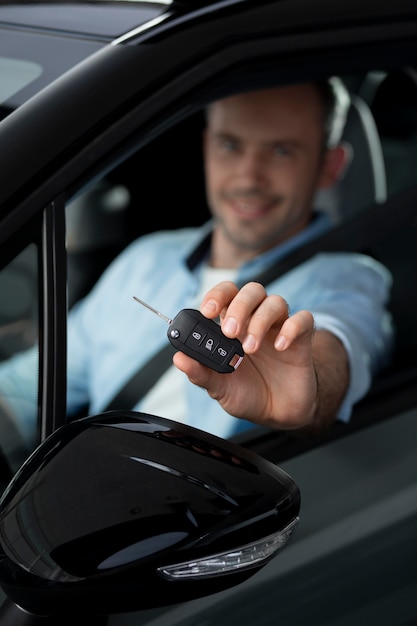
[298, 327]
[245, 312]
[217, 298]
[250, 314]
[271, 313]
[197, 373]
[234, 304]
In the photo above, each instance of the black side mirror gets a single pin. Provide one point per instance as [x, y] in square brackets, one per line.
[126, 511]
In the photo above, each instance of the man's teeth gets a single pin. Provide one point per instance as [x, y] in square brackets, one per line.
[248, 207]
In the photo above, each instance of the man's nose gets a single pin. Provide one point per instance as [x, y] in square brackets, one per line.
[252, 165]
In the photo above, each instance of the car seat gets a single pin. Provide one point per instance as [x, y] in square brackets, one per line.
[363, 183]
[96, 231]
[392, 98]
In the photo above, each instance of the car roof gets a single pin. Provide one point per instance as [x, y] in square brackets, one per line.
[109, 19]
[32, 32]
[94, 20]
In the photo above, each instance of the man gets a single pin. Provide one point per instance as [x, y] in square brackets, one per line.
[312, 340]
[266, 154]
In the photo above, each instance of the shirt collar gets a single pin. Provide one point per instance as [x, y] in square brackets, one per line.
[319, 224]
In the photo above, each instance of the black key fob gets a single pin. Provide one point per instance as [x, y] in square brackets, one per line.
[202, 339]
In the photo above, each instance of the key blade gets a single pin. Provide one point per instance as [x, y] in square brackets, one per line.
[148, 306]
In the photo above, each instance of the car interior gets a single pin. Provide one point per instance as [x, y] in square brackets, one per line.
[382, 132]
[103, 219]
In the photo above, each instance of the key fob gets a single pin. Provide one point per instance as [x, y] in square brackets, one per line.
[202, 339]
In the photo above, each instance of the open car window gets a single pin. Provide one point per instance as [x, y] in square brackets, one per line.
[149, 188]
[153, 189]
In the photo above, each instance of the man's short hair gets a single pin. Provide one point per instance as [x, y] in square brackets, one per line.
[336, 100]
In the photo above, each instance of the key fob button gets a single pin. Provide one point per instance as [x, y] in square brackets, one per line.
[197, 336]
[220, 353]
[209, 345]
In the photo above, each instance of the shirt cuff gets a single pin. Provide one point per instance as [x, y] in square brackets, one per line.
[359, 362]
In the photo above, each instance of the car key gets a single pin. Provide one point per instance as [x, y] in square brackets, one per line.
[202, 339]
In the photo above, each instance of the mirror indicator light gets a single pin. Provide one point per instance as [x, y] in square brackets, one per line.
[245, 557]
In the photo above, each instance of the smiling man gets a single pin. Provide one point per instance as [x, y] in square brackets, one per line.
[266, 154]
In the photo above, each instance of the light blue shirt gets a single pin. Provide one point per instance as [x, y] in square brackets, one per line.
[110, 336]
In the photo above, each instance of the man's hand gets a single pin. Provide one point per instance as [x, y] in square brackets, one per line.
[291, 377]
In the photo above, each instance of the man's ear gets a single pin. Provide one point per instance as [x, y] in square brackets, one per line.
[336, 162]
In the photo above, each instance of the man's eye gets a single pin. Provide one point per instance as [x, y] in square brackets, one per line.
[228, 145]
[281, 150]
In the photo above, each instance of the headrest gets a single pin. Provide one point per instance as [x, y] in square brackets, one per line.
[364, 181]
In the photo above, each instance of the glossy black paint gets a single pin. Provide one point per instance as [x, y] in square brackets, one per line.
[106, 500]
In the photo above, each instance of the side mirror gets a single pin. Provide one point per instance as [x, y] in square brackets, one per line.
[126, 511]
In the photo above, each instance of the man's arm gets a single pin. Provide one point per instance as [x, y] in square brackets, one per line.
[291, 377]
[332, 371]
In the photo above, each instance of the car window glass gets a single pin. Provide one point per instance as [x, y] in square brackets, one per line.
[18, 333]
[16, 74]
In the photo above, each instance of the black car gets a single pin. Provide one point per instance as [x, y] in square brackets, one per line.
[101, 111]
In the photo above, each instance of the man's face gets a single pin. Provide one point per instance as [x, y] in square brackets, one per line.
[264, 161]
